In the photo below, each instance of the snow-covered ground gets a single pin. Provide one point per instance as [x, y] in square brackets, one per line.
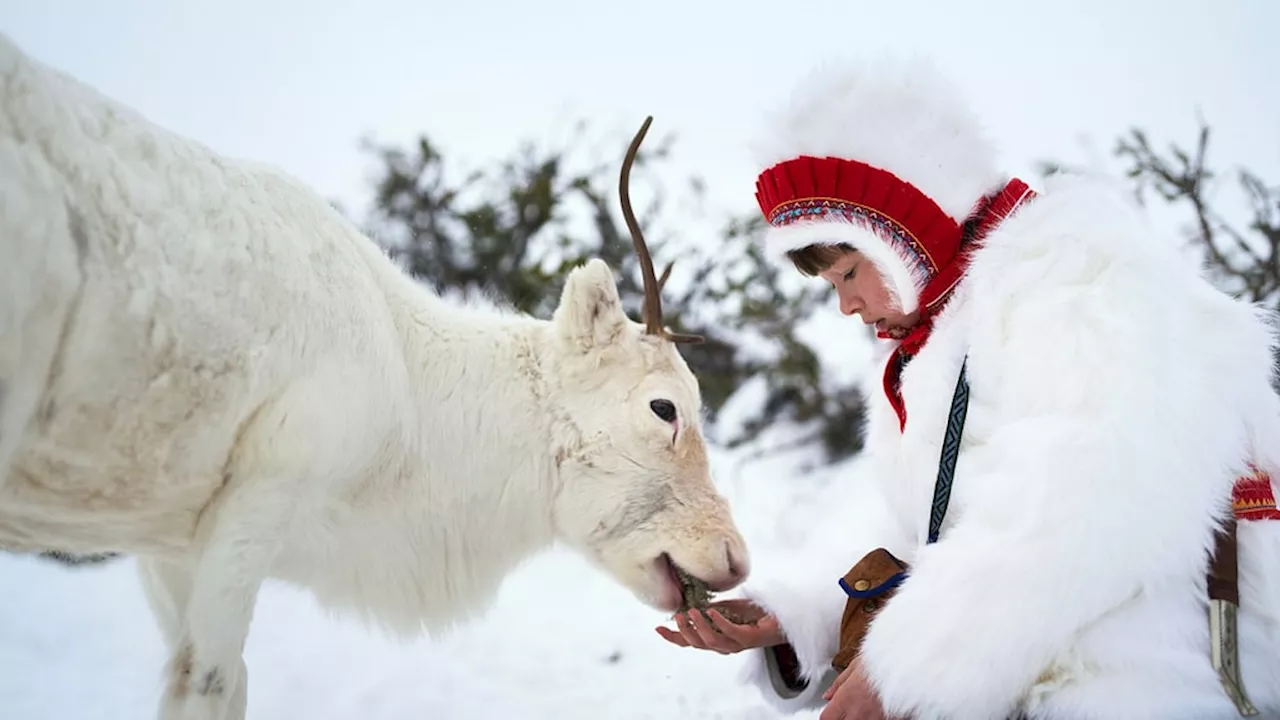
[561, 642]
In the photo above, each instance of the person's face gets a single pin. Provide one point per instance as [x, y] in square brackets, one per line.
[863, 292]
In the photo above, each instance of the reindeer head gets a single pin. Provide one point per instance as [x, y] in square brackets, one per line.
[636, 493]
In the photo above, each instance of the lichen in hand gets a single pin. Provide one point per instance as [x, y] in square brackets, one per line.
[696, 595]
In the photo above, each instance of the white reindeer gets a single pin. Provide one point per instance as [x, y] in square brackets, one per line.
[204, 365]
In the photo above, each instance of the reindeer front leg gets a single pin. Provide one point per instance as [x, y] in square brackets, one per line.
[238, 539]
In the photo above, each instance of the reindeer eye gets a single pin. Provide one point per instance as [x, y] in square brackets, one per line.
[664, 409]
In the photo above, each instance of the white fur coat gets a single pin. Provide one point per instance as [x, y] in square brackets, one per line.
[1115, 397]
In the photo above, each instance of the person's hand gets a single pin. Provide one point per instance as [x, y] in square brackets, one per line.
[713, 631]
[851, 697]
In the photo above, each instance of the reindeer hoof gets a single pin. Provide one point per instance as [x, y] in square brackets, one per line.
[199, 689]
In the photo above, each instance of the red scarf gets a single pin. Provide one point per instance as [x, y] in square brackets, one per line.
[989, 213]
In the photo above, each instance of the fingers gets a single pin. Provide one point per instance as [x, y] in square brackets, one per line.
[744, 636]
[769, 624]
[748, 611]
[684, 625]
[848, 705]
[693, 630]
[685, 634]
[835, 684]
[851, 698]
[672, 637]
[707, 634]
[835, 712]
[766, 632]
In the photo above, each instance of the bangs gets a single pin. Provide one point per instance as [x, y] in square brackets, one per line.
[814, 259]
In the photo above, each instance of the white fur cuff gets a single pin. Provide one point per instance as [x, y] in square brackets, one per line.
[760, 671]
[811, 622]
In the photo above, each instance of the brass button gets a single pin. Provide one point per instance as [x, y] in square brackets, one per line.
[862, 586]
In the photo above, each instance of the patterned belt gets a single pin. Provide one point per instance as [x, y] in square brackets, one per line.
[1254, 498]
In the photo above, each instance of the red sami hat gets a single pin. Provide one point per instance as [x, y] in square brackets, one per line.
[884, 159]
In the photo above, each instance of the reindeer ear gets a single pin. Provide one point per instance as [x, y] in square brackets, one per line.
[590, 313]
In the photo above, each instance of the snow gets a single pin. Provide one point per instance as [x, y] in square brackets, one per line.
[562, 641]
[80, 642]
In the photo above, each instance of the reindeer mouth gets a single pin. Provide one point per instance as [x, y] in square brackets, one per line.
[681, 589]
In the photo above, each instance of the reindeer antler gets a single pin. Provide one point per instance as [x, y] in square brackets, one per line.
[652, 312]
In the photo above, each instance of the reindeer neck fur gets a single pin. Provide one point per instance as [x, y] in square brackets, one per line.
[425, 541]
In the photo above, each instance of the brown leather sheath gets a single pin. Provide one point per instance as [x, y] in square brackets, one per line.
[872, 576]
[1224, 633]
[1223, 577]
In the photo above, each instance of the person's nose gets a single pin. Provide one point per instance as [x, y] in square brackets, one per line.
[849, 304]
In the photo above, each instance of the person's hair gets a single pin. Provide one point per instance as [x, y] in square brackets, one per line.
[813, 259]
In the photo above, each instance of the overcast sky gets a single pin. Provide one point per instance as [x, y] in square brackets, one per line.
[298, 83]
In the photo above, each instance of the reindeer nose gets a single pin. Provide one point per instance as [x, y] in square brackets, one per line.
[739, 564]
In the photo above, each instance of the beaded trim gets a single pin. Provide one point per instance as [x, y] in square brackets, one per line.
[910, 247]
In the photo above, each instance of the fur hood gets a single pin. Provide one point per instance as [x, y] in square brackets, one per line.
[928, 161]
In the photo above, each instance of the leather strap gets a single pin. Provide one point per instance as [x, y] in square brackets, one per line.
[950, 452]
